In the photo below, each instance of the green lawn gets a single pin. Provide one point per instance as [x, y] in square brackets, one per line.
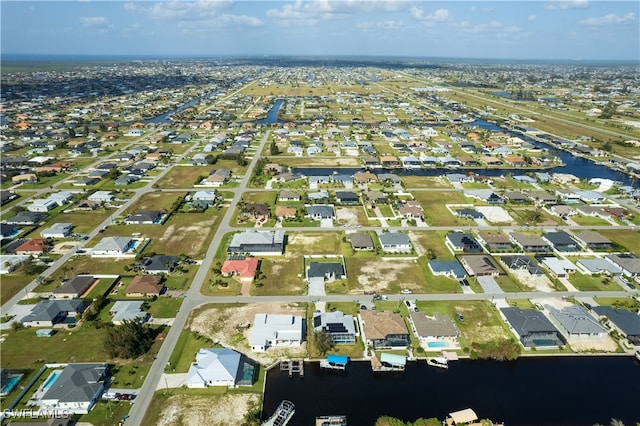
[433, 203]
[165, 307]
[282, 276]
[14, 282]
[183, 176]
[589, 220]
[83, 222]
[592, 283]
[625, 238]
[185, 351]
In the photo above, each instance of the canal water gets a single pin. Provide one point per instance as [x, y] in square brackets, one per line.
[562, 391]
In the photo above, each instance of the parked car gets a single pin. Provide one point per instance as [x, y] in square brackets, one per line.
[405, 291]
[460, 317]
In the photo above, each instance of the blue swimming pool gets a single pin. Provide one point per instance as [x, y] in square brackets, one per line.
[9, 384]
[52, 378]
[437, 344]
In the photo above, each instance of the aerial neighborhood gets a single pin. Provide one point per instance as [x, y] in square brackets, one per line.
[158, 235]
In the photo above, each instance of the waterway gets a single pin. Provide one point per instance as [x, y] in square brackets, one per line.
[546, 391]
[272, 114]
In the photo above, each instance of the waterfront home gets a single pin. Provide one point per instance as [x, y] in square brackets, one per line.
[257, 243]
[591, 197]
[74, 288]
[145, 286]
[384, 329]
[627, 322]
[437, 327]
[390, 178]
[629, 263]
[389, 161]
[220, 367]
[574, 321]
[360, 241]
[76, 390]
[479, 266]
[276, 330]
[339, 326]
[113, 247]
[47, 313]
[533, 329]
[448, 268]
[394, 242]
[559, 267]
[495, 241]
[463, 242]
[344, 180]
[362, 178]
[242, 269]
[530, 243]
[561, 241]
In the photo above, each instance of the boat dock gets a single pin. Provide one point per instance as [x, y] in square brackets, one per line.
[331, 421]
[388, 362]
[293, 366]
[438, 361]
[282, 415]
[335, 362]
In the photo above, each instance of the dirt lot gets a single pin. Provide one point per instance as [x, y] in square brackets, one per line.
[378, 273]
[186, 239]
[220, 324]
[348, 215]
[212, 410]
[533, 282]
[62, 248]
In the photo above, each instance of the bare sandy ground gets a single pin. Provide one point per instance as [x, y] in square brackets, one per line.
[378, 273]
[533, 282]
[347, 215]
[210, 410]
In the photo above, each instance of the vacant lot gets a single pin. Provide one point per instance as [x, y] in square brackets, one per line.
[434, 205]
[186, 408]
[183, 176]
[155, 201]
[386, 275]
[350, 216]
[625, 238]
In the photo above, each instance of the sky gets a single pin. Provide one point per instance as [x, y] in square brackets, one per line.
[561, 30]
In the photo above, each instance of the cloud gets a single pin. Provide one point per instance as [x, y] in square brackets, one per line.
[181, 10]
[98, 22]
[611, 19]
[495, 28]
[532, 18]
[310, 12]
[439, 15]
[567, 4]
[380, 25]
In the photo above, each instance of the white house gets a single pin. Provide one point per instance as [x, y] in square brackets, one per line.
[113, 247]
[57, 230]
[218, 367]
[275, 330]
[8, 263]
[42, 205]
[101, 196]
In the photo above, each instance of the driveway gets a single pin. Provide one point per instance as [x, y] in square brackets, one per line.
[17, 312]
[489, 285]
[316, 287]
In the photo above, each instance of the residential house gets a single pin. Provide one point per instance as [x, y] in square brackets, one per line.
[627, 322]
[597, 265]
[559, 267]
[329, 271]
[101, 197]
[561, 241]
[76, 390]
[376, 197]
[486, 195]
[276, 330]
[33, 247]
[159, 264]
[390, 177]
[320, 211]
[318, 197]
[448, 268]
[411, 209]
[495, 241]
[288, 195]
[384, 329]
[593, 240]
[42, 205]
[8, 230]
[360, 241]
[257, 243]
[395, 242]
[519, 262]
[217, 178]
[47, 313]
[573, 321]
[145, 217]
[534, 330]
[243, 269]
[113, 247]
[347, 197]
[286, 212]
[463, 242]
[517, 197]
[85, 181]
[339, 326]
[57, 230]
[145, 286]
[128, 310]
[203, 195]
[430, 328]
[366, 177]
[468, 213]
[530, 243]
[479, 266]
[628, 262]
[220, 367]
[591, 197]
[74, 288]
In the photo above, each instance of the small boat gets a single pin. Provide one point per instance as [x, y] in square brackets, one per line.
[638, 355]
[438, 361]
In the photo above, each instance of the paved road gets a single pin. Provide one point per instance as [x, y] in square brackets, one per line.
[193, 298]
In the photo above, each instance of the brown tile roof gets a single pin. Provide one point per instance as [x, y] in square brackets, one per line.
[379, 324]
[145, 284]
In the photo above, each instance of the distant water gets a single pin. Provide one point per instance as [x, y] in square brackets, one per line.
[563, 391]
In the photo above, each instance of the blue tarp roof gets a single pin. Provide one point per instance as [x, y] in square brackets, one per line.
[337, 359]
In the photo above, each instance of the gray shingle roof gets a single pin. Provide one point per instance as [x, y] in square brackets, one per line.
[77, 383]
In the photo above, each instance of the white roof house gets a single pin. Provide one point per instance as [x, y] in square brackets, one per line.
[42, 205]
[275, 330]
[101, 196]
[113, 247]
[559, 267]
[205, 195]
[57, 230]
[215, 367]
[127, 310]
[10, 262]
